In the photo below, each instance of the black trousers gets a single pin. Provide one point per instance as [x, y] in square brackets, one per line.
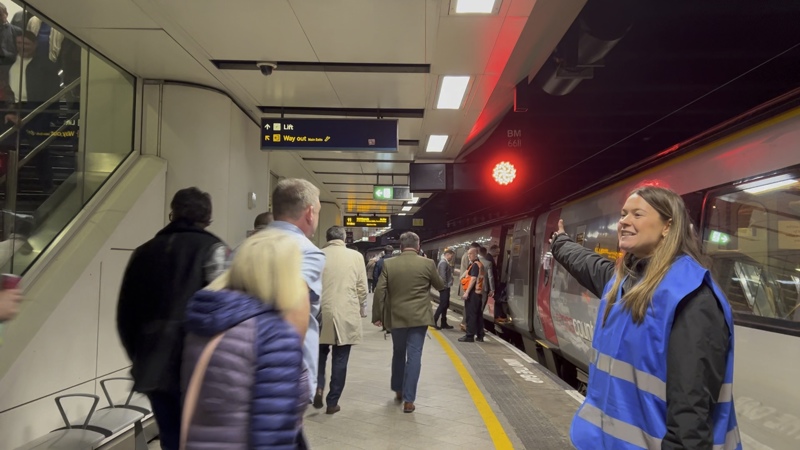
[473, 309]
[444, 303]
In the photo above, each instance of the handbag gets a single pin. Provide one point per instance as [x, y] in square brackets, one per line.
[195, 383]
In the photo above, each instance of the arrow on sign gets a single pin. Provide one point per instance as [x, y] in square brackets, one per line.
[266, 138]
[266, 127]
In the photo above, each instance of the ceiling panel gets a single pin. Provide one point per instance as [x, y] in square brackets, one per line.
[469, 42]
[380, 90]
[404, 154]
[377, 31]
[360, 179]
[288, 88]
[148, 54]
[243, 30]
[102, 14]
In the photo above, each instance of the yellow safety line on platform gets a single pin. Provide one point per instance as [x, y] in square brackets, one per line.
[496, 431]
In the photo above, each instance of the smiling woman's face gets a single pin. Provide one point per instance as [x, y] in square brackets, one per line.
[641, 228]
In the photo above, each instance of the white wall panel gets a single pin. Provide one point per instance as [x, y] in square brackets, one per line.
[195, 141]
[63, 351]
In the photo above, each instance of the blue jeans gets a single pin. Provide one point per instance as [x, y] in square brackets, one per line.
[341, 354]
[167, 411]
[407, 360]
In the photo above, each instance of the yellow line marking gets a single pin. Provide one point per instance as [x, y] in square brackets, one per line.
[496, 431]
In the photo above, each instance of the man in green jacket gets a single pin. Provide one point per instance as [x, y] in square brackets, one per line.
[402, 304]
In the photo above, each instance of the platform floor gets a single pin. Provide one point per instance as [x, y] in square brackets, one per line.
[470, 396]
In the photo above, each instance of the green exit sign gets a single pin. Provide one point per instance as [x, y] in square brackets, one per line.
[719, 237]
[391, 193]
[383, 193]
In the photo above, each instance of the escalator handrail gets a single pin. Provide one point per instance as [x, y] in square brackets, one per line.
[39, 109]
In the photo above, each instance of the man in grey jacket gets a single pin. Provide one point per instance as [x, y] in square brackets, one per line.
[446, 274]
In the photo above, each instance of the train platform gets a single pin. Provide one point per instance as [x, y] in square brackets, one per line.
[470, 396]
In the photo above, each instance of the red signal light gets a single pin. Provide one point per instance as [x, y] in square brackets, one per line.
[504, 173]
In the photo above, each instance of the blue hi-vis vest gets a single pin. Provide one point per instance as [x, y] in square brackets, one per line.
[626, 401]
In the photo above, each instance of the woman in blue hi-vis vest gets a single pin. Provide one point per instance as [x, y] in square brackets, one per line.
[661, 373]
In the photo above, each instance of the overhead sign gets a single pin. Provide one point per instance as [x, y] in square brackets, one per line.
[391, 193]
[366, 221]
[376, 135]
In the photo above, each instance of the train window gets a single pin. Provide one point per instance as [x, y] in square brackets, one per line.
[752, 234]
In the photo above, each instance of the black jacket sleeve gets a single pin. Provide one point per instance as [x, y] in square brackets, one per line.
[696, 358]
[592, 271]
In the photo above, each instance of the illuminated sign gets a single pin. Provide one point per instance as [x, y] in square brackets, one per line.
[376, 135]
[391, 193]
[366, 221]
[418, 222]
[719, 237]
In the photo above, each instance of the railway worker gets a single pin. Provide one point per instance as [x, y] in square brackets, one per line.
[662, 369]
[473, 286]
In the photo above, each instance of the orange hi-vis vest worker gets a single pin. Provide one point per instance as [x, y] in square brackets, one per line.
[478, 283]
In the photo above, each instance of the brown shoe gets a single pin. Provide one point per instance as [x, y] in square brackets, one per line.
[408, 407]
[333, 409]
[398, 396]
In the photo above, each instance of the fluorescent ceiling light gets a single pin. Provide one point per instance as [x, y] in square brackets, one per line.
[436, 143]
[451, 94]
[413, 200]
[406, 208]
[401, 214]
[769, 186]
[474, 6]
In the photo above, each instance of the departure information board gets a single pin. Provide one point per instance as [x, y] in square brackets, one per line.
[375, 135]
[366, 221]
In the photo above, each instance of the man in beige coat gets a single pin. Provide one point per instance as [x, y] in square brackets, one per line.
[344, 303]
[402, 304]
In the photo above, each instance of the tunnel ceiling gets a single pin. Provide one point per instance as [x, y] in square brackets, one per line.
[681, 68]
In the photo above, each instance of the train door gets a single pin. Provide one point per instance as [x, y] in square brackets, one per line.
[502, 268]
[545, 276]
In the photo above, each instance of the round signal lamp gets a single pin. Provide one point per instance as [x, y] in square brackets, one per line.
[504, 173]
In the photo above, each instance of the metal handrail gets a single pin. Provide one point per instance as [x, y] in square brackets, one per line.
[32, 154]
[36, 111]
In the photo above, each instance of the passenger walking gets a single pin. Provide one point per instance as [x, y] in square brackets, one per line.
[161, 276]
[662, 371]
[446, 274]
[243, 375]
[402, 305]
[370, 268]
[296, 207]
[473, 286]
[387, 253]
[344, 303]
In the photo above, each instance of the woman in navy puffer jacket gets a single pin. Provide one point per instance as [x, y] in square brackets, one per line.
[255, 388]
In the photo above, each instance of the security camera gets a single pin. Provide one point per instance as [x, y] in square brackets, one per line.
[267, 68]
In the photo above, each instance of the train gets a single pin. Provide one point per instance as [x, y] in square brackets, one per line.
[742, 189]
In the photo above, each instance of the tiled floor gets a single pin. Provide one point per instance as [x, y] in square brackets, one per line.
[445, 418]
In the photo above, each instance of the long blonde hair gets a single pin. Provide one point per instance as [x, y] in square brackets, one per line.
[680, 240]
[267, 266]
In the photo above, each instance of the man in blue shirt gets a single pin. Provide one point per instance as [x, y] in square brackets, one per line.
[296, 207]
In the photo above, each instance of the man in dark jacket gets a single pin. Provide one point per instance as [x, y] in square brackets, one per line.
[161, 276]
[376, 271]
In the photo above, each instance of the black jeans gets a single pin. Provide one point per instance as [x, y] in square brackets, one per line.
[474, 312]
[167, 410]
[341, 354]
[444, 303]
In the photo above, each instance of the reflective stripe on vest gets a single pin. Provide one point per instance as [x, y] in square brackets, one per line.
[625, 406]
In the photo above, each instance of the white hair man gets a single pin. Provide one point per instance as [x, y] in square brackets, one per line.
[296, 207]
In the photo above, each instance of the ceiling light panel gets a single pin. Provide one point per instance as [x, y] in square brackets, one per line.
[477, 6]
[406, 208]
[436, 143]
[451, 93]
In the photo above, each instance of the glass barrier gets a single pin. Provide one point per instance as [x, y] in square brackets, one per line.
[66, 125]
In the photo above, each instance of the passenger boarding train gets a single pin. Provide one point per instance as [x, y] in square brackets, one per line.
[743, 193]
